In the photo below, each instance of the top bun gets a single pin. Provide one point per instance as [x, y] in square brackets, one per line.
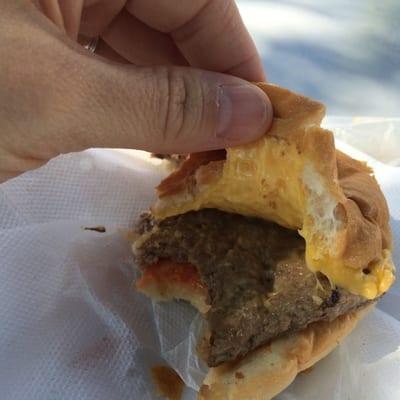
[295, 177]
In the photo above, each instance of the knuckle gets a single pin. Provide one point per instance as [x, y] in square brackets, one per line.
[186, 108]
[174, 98]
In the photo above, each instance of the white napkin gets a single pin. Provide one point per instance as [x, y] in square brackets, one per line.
[72, 326]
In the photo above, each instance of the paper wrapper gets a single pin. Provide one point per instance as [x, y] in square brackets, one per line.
[72, 325]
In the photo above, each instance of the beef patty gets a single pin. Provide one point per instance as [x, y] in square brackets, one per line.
[259, 286]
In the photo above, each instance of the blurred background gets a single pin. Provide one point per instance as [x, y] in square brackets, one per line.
[344, 53]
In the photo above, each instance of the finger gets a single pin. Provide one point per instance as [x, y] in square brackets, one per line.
[51, 9]
[140, 44]
[71, 11]
[162, 109]
[209, 33]
[63, 13]
[98, 14]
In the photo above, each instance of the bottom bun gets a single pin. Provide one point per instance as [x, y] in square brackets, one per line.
[266, 371]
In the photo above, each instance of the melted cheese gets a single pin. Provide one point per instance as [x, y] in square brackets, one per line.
[265, 179]
[371, 285]
[261, 179]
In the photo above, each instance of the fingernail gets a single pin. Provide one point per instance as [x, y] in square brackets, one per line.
[244, 113]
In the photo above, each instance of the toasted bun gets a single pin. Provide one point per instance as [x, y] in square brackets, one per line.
[295, 177]
[266, 371]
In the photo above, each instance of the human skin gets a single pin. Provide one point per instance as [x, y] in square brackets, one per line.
[167, 77]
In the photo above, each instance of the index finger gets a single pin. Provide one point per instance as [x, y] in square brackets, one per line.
[209, 33]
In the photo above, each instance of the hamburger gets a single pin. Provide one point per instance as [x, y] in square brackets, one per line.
[282, 244]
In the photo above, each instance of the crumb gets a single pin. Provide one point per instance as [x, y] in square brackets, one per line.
[239, 375]
[99, 228]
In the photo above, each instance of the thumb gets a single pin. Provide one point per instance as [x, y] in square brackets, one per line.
[167, 109]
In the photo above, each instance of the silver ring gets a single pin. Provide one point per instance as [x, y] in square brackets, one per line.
[91, 46]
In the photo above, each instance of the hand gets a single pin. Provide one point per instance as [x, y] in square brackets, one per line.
[56, 97]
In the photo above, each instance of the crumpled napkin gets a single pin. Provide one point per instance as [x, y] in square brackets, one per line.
[72, 326]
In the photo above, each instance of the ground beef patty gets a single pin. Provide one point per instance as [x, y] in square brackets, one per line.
[259, 286]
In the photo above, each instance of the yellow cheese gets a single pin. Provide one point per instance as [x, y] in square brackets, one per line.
[264, 180]
[260, 179]
[371, 285]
